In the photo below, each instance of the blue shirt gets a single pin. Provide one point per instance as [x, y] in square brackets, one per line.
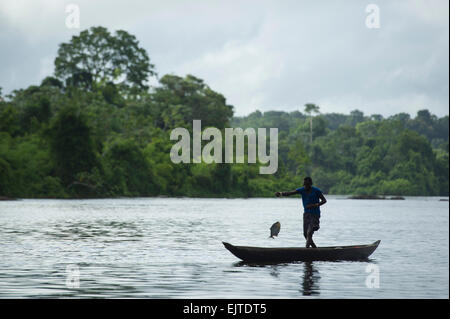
[311, 198]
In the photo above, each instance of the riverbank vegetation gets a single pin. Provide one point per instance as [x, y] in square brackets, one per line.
[96, 129]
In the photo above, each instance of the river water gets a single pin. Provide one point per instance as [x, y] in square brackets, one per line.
[172, 248]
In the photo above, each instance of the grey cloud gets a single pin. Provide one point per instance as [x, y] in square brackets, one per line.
[262, 54]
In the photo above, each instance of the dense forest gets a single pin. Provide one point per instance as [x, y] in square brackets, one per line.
[96, 129]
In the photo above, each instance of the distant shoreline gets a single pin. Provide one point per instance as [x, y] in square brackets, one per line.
[5, 198]
[351, 197]
[376, 197]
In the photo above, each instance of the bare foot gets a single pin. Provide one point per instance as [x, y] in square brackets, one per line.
[310, 243]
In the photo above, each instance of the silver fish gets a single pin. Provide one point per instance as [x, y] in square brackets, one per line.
[275, 229]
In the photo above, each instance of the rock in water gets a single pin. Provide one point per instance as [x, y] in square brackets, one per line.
[275, 229]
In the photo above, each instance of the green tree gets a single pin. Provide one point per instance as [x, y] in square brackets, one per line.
[311, 108]
[129, 172]
[9, 120]
[298, 158]
[71, 145]
[96, 57]
[179, 101]
[6, 179]
[355, 117]
[52, 82]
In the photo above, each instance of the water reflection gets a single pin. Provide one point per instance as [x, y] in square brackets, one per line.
[310, 280]
[274, 272]
[310, 283]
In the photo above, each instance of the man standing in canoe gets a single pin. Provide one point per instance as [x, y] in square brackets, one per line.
[312, 198]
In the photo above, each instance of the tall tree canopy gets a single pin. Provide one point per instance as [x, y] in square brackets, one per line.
[311, 108]
[182, 100]
[96, 57]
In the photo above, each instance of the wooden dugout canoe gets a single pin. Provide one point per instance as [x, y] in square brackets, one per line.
[288, 254]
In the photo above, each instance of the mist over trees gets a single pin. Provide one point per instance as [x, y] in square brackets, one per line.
[96, 129]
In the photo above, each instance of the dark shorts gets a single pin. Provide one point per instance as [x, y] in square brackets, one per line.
[311, 222]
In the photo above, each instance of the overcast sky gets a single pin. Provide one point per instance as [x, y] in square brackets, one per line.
[266, 55]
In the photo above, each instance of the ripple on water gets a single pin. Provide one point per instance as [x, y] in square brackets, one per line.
[172, 248]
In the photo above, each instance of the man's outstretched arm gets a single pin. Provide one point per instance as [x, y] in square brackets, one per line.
[278, 194]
